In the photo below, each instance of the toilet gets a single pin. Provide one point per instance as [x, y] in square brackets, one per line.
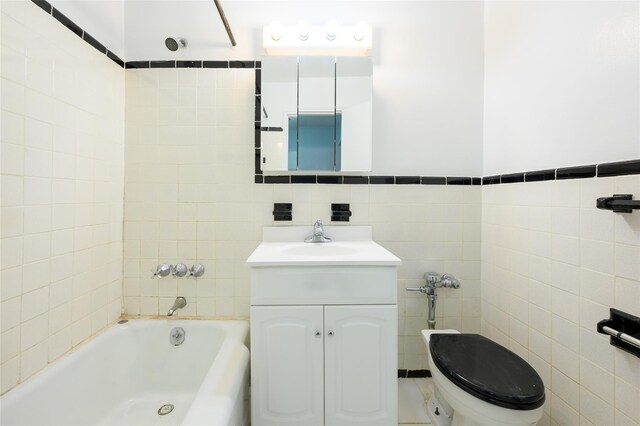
[479, 382]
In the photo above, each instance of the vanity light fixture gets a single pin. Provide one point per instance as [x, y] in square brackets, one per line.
[327, 40]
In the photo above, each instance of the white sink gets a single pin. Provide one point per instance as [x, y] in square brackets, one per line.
[350, 246]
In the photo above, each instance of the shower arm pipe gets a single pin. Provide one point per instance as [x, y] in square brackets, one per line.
[225, 22]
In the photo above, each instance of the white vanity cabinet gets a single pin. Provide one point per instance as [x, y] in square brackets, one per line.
[324, 365]
[324, 333]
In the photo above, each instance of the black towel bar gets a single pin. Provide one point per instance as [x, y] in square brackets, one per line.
[623, 329]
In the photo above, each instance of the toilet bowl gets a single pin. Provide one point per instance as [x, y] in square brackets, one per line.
[478, 382]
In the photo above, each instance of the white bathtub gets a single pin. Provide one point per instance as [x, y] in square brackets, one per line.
[124, 375]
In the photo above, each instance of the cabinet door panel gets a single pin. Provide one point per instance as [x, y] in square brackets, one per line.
[287, 367]
[361, 365]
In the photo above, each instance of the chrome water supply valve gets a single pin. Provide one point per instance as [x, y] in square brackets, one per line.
[179, 270]
[434, 281]
[162, 270]
[196, 271]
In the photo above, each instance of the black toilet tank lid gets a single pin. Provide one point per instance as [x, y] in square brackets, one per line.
[487, 370]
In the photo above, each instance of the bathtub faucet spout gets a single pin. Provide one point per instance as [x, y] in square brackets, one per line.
[180, 302]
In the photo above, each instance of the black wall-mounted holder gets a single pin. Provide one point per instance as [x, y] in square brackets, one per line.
[624, 330]
[282, 212]
[618, 203]
[340, 212]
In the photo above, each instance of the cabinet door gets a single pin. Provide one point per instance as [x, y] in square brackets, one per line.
[278, 104]
[354, 105]
[287, 365]
[361, 379]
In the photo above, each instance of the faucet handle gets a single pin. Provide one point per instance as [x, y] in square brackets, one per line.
[432, 278]
[179, 270]
[196, 270]
[162, 270]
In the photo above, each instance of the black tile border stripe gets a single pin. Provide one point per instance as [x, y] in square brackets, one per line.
[67, 22]
[433, 180]
[577, 172]
[115, 58]
[74, 28]
[137, 64]
[621, 168]
[408, 180]
[195, 63]
[459, 180]
[403, 374]
[44, 5]
[540, 175]
[95, 43]
[512, 178]
[491, 180]
[188, 64]
[162, 64]
[215, 64]
[304, 179]
[355, 180]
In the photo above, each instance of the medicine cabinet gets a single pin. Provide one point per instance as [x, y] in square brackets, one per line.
[316, 114]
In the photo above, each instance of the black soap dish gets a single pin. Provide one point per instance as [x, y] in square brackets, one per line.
[282, 212]
[340, 212]
[624, 330]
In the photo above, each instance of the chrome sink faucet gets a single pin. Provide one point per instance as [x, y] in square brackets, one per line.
[180, 303]
[318, 234]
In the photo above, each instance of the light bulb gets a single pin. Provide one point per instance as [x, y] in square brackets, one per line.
[303, 31]
[332, 27]
[276, 31]
[359, 32]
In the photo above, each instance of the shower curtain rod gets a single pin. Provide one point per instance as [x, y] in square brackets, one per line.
[225, 22]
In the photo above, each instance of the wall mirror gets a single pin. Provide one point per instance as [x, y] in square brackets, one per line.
[316, 114]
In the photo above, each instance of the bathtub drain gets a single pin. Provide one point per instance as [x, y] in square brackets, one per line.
[165, 409]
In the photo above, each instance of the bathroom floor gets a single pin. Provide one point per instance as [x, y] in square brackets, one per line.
[412, 396]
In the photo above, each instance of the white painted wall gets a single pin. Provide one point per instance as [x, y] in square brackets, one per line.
[562, 84]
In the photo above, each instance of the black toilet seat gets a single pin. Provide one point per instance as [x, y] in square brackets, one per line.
[487, 370]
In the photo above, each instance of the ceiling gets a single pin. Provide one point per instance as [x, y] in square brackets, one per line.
[136, 29]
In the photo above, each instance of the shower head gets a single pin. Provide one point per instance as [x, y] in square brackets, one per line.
[174, 44]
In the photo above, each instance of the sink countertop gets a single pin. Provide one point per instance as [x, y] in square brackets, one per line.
[350, 246]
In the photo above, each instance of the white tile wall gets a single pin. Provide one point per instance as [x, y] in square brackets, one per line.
[190, 197]
[62, 150]
[578, 262]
